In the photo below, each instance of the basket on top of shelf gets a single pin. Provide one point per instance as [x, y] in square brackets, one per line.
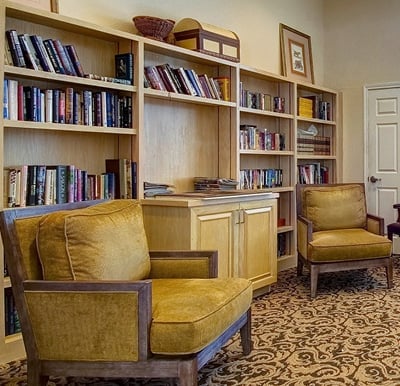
[153, 27]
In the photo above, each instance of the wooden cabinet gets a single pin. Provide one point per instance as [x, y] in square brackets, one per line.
[242, 229]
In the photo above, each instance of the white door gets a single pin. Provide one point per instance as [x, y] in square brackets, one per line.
[382, 144]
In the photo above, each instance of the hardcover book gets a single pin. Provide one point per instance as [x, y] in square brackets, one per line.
[124, 66]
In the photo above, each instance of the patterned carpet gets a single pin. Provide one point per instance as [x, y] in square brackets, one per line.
[348, 335]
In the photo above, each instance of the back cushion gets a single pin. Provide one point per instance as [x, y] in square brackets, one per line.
[102, 242]
[335, 207]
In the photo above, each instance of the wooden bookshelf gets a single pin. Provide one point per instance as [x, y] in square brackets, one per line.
[174, 137]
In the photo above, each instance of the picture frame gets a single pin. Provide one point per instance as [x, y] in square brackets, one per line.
[296, 54]
[46, 5]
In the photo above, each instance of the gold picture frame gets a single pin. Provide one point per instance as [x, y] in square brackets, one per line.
[46, 5]
[297, 62]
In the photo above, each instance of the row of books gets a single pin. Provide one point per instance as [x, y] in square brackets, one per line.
[186, 81]
[313, 173]
[29, 185]
[314, 107]
[68, 105]
[34, 52]
[260, 178]
[314, 145]
[261, 101]
[253, 138]
[12, 323]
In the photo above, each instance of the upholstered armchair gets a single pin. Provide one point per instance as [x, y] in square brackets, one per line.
[93, 301]
[335, 232]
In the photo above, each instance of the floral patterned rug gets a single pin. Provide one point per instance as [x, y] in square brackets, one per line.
[348, 335]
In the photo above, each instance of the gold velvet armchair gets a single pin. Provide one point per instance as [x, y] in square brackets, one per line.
[335, 232]
[93, 301]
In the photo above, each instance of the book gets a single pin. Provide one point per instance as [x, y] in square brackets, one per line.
[60, 183]
[32, 50]
[73, 56]
[224, 85]
[119, 168]
[124, 66]
[8, 60]
[155, 78]
[31, 185]
[41, 52]
[166, 77]
[64, 58]
[15, 48]
[6, 113]
[40, 184]
[54, 56]
[31, 59]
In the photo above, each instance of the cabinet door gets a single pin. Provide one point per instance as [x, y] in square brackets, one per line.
[216, 228]
[257, 246]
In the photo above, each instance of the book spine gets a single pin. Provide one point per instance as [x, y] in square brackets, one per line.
[31, 185]
[73, 55]
[59, 48]
[69, 105]
[42, 53]
[28, 54]
[16, 49]
[54, 56]
[40, 184]
[6, 112]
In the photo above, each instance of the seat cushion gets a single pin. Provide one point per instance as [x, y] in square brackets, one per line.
[188, 314]
[347, 244]
[335, 207]
[102, 242]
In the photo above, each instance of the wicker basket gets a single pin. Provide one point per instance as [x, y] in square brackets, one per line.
[153, 27]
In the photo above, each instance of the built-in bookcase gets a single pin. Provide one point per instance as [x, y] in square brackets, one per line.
[266, 114]
[317, 134]
[47, 143]
[173, 136]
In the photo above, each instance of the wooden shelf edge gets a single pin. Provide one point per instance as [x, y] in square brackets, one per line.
[65, 127]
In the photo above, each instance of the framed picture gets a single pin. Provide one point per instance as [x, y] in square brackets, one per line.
[47, 5]
[296, 54]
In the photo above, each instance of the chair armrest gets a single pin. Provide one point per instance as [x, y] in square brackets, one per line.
[112, 318]
[183, 264]
[375, 224]
[304, 234]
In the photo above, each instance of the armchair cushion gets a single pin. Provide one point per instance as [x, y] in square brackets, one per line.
[347, 244]
[189, 313]
[329, 208]
[86, 244]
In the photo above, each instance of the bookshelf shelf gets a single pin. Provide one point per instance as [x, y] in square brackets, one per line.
[151, 93]
[67, 128]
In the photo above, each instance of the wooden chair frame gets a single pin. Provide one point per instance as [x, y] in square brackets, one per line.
[335, 266]
[183, 367]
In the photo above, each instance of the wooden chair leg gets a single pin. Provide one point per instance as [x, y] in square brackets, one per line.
[188, 373]
[245, 335]
[314, 271]
[34, 374]
[300, 265]
[389, 273]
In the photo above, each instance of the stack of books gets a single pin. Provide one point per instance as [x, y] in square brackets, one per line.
[214, 183]
[152, 189]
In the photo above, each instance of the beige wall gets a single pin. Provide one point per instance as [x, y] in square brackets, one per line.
[255, 21]
[354, 42]
[361, 48]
